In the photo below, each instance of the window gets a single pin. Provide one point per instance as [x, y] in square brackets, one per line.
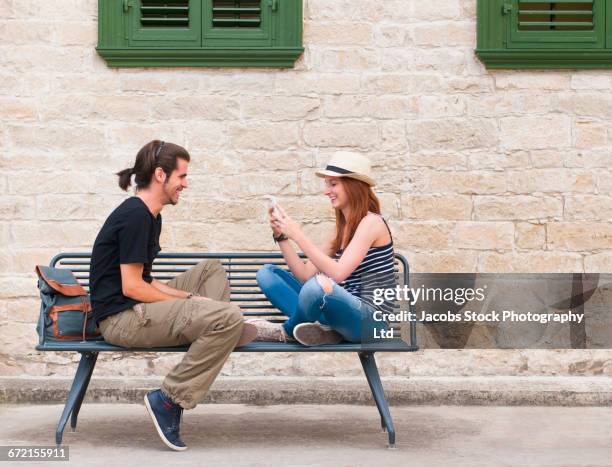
[231, 33]
[536, 34]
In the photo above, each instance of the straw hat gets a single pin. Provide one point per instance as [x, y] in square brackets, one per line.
[348, 164]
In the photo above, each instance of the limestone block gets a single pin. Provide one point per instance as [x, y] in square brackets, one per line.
[510, 103]
[350, 134]
[280, 108]
[532, 80]
[376, 107]
[438, 106]
[604, 182]
[337, 33]
[588, 207]
[24, 310]
[56, 234]
[444, 33]
[451, 260]
[513, 207]
[18, 286]
[431, 11]
[403, 83]
[530, 236]
[17, 207]
[76, 207]
[439, 160]
[545, 261]
[294, 83]
[422, 235]
[452, 134]
[56, 137]
[599, 262]
[346, 59]
[497, 160]
[393, 135]
[590, 134]
[551, 181]
[552, 131]
[586, 104]
[322, 10]
[263, 135]
[596, 157]
[75, 33]
[463, 182]
[59, 10]
[194, 108]
[22, 109]
[483, 235]
[590, 81]
[579, 236]
[390, 35]
[63, 183]
[22, 260]
[24, 31]
[432, 207]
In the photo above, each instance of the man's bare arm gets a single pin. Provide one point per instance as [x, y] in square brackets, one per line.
[169, 290]
[133, 286]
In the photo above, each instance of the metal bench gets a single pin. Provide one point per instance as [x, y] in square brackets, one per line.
[241, 269]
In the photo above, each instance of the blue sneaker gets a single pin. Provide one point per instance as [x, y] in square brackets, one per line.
[166, 416]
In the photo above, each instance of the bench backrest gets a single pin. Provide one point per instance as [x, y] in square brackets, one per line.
[240, 267]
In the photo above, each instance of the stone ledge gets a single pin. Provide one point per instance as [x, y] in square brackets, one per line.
[494, 391]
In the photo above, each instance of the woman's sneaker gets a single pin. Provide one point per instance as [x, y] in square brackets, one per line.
[268, 331]
[311, 334]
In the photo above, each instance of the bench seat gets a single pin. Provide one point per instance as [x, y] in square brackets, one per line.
[244, 291]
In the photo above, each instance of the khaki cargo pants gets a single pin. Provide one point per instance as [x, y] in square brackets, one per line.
[212, 327]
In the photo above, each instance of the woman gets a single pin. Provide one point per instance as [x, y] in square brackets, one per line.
[329, 297]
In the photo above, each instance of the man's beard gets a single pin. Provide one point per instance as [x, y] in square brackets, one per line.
[169, 198]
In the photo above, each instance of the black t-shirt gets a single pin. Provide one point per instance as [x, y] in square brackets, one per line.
[129, 235]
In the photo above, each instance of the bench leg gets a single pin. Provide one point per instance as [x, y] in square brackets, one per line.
[79, 401]
[368, 363]
[77, 391]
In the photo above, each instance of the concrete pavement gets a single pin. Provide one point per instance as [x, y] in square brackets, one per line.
[224, 434]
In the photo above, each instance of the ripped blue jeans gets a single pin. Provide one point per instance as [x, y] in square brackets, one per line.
[308, 302]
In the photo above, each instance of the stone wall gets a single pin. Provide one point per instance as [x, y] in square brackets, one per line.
[478, 170]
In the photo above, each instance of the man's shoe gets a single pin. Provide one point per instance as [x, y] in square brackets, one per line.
[166, 416]
[249, 333]
[311, 334]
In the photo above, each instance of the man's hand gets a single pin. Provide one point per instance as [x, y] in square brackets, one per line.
[198, 297]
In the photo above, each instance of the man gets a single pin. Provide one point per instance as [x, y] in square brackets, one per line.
[134, 310]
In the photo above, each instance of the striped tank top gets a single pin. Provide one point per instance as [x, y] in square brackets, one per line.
[376, 270]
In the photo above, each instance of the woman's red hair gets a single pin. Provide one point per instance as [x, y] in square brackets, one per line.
[361, 200]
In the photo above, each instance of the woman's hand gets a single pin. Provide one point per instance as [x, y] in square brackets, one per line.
[275, 230]
[284, 224]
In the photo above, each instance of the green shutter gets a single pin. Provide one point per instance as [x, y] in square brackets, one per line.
[237, 14]
[560, 24]
[170, 23]
[238, 23]
[223, 33]
[533, 34]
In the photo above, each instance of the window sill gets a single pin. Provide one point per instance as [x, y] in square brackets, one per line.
[273, 57]
[545, 59]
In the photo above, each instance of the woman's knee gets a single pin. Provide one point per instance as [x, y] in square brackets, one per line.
[265, 274]
[312, 290]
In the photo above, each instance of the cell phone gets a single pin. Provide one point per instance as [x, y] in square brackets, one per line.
[274, 205]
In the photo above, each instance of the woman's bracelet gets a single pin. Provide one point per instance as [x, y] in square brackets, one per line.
[280, 238]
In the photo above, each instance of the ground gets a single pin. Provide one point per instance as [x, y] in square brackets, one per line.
[224, 434]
